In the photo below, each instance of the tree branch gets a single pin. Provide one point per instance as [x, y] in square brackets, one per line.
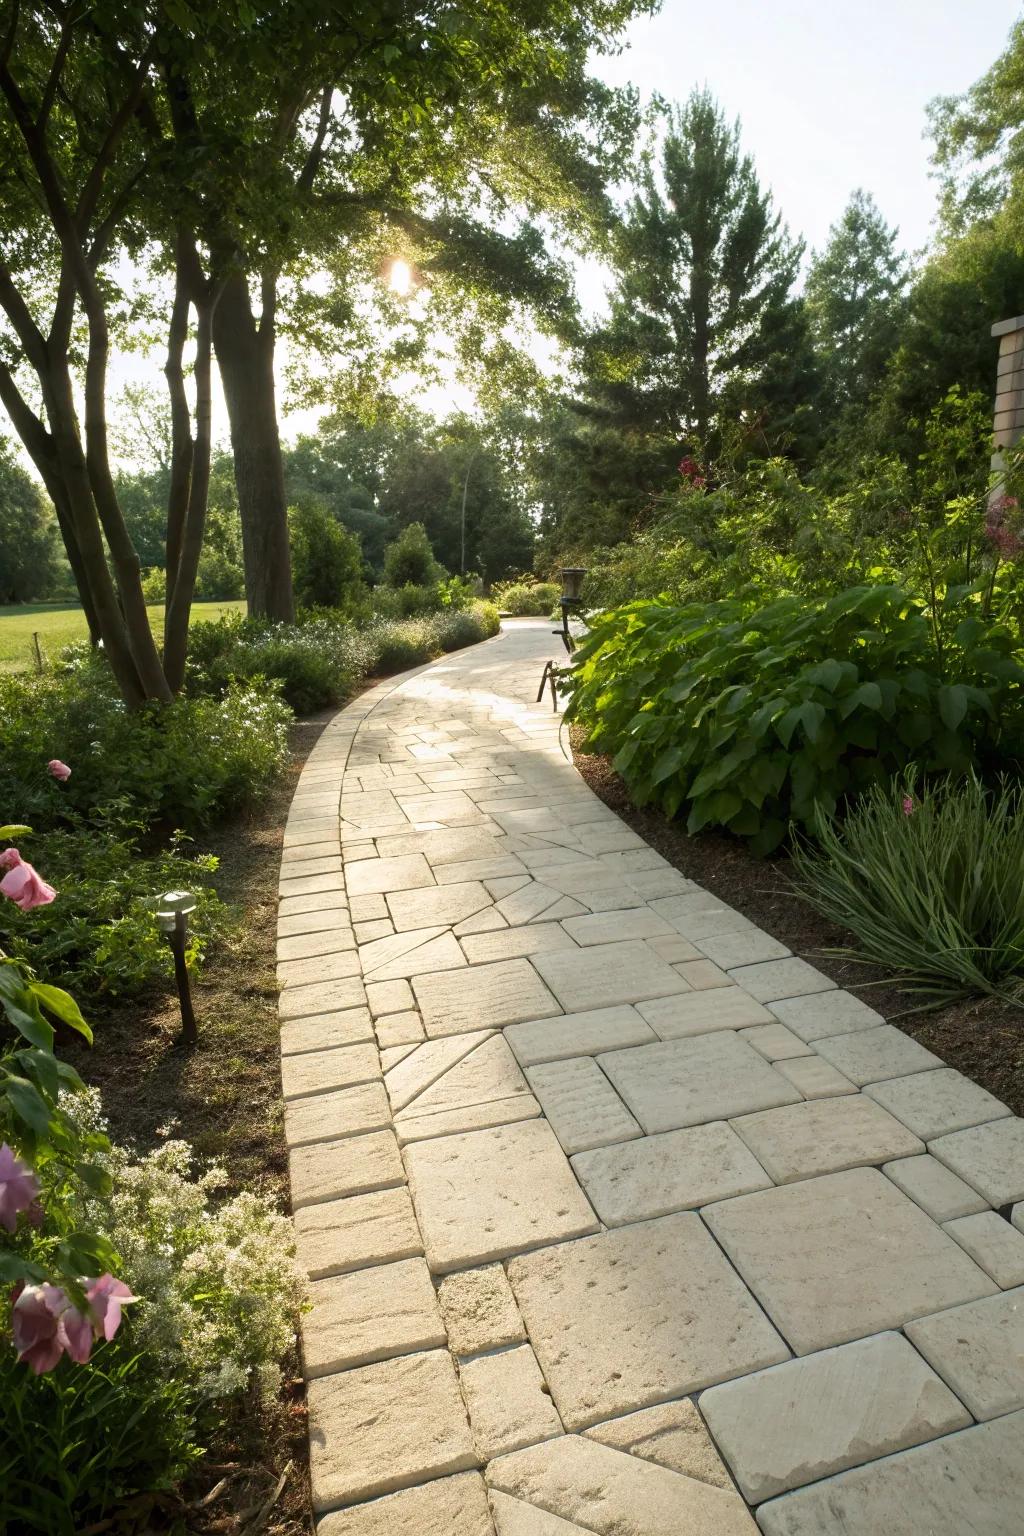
[56, 70]
[313, 160]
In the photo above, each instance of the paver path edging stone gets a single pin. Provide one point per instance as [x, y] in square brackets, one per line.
[590, 1173]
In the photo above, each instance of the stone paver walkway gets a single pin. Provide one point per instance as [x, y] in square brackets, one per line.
[619, 1218]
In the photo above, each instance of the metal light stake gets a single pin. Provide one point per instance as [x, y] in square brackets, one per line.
[172, 910]
[570, 600]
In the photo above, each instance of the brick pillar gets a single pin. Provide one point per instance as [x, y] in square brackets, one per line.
[1008, 424]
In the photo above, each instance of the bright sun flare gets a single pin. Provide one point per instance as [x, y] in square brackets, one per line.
[401, 277]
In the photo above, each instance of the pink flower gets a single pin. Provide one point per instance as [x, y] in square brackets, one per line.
[908, 805]
[45, 1324]
[58, 770]
[106, 1298]
[22, 884]
[18, 1188]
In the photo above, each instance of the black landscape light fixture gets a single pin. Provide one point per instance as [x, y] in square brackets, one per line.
[569, 602]
[172, 911]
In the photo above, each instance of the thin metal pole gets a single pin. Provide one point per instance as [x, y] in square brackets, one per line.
[189, 1031]
[465, 489]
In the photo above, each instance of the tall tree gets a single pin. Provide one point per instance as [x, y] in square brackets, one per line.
[979, 144]
[854, 292]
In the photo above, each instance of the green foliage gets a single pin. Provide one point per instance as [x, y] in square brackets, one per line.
[28, 535]
[327, 560]
[752, 718]
[409, 559]
[931, 883]
[154, 585]
[526, 598]
[309, 661]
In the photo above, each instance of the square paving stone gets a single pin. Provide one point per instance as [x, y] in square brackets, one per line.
[691, 1081]
[815, 1078]
[872, 1055]
[449, 1506]
[835, 1258]
[989, 1157]
[444, 904]
[482, 997]
[775, 1042]
[979, 1350]
[933, 1187]
[368, 1315]
[677, 1171]
[604, 974]
[507, 1401]
[479, 1310]
[327, 1170]
[803, 1420]
[597, 1489]
[487, 1194]
[578, 1034]
[964, 1483]
[581, 1105]
[770, 980]
[339, 1235]
[672, 1435]
[825, 1013]
[389, 997]
[374, 877]
[934, 1104]
[385, 1426]
[638, 1315]
[993, 1243]
[824, 1136]
[673, 1018]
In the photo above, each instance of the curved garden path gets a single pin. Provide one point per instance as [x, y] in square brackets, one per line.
[586, 1166]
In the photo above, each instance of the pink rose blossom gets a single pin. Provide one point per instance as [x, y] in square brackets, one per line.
[908, 805]
[22, 884]
[45, 1324]
[106, 1298]
[18, 1188]
[58, 770]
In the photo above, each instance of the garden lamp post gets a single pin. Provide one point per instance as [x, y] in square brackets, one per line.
[172, 910]
[569, 602]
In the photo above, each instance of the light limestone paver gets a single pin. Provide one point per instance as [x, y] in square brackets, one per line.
[676, 1171]
[610, 1493]
[775, 1042]
[824, 1136]
[329, 1116]
[487, 1072]
[578, 1034]
[349, 1026]
[479, 1310]
[321, 997]
[507, 943]
[375, 877]
[770, 980]
[440, 954]
[491, 1193]
[482, 996]
[934, 1104]
[399, 1029]
[613, 927]
[508, 1406]
[514, 1518]
[344, 1066]
[673, 1018]
[638, 1315]
[691, 1081]
[819, 1415]
[988, 1157]
[386, 1426]
[411, 1126]
[428, 1062]
[730, 950]
[872, 1055]
[604, 974]
[581, 1105]
[842, 1256]
[384, 997]
[934, 1188]
[979, 1350]
[354, 1166]
[963, 1483]
[338, 1235]
[994, 1243]
[448, 1506]
[814, 1078]
[822, 1014]
[673, 1435]
[370, 1314]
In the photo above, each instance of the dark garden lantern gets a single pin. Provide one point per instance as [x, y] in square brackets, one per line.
[172, 911]
[569, 602]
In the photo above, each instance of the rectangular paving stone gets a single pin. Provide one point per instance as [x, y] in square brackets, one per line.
[967, 1482]
[638, 1315]
[366, 908]
[691, 1081]
[321, 997]
[318, 920]
[993, 1243]
[438, 954]
[838, 1257]
[821, 1014]
[339, 1235]
[581, 1105]
[770, 980]
[775, 1042]
[702, 975]
[672, 1435]
[596, 1489]
[479, 1310]
[604, 974]
[384, 1427]
[506, 943]
[320, 1071]
[933, 1187]
[327, 941]
[443, 846]
[674, 1018]
[979, 1350]
[490, 1193]
[482, 997]
[872, 1055]
[676, 1171]
[444, 904]
[988, 1157]
[448, 1506]
[578, 1034]
[329, 1116]
[289, 908]
[815, 1078]
[937, 1103]
[370, 1314]
[746, 947]
[824, 1136]
[612, 927]
[507, 1402]
[327, 1170]
[348, 1026]
[373, 877]
[674, 948]
[809, 1418]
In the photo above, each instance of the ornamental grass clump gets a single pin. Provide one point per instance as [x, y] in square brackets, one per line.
[930, 882]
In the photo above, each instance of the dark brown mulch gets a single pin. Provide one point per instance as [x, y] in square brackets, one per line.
[983, 1038]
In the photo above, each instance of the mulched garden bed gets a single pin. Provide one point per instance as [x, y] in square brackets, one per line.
[983, 1038]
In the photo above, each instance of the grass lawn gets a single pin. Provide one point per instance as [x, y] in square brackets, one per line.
[58, 624]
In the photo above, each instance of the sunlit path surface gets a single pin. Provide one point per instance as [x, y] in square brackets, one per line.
[619, 1218]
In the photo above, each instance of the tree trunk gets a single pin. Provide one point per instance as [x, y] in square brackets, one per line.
[180, 590]
[245, 356]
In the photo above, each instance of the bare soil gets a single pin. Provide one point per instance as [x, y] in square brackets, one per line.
[983, 1038]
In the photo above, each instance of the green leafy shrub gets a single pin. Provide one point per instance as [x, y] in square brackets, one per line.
[752, 719]
[525, 599]
[930, 882]
[327, 560]
[309, 660]
[409, 559]
[154, 585]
